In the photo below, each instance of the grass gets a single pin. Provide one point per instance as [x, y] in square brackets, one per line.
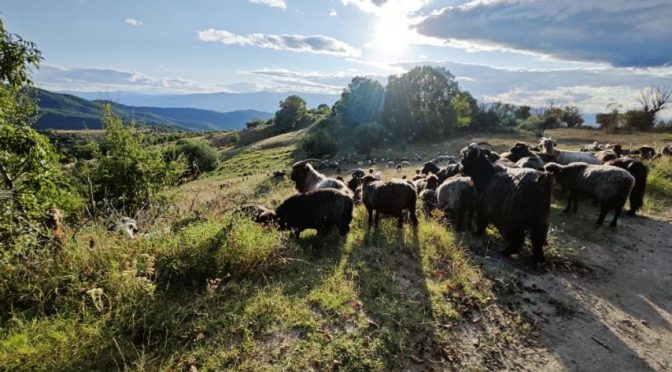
[210, 289]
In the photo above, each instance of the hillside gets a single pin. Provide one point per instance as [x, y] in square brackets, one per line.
[64, 111]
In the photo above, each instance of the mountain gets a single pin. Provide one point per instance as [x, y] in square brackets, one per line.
[64, 111]
[223, 102]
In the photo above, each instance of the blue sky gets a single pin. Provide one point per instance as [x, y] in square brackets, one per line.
[588, 52]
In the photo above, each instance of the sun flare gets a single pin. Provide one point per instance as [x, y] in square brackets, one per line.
[393, 33]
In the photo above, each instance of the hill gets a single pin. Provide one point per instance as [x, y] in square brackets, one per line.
[64, 111]
[223, 102]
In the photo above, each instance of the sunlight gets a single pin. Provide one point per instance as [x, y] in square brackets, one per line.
[393, 34]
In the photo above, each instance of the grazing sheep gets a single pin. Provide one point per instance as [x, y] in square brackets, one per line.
[125, 225]
[253, 211]
[428, 194]
[532, 162]
[306, 178]
[618, 149]
[566, 157]
[389, 197]
[442, 173]
[606, 155]
[514, 200]
[609, 185]
[319, 209]
[594, 147]
[645, 152]
[638, 170]
[457, 198]
[666, 150]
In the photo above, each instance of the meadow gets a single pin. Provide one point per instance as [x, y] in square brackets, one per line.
[203, 288]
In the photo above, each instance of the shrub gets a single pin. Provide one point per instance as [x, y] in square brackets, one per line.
[659, 183]
[368, 136]
[318, 143]
[129, 176]
[200, 156]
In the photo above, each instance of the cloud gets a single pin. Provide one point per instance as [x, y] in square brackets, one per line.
[133, 22]
[103, 79]
[332, 13]
[272, 3]
[632, 33]
[296, 43]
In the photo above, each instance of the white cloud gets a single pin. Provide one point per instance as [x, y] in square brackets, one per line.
[332, 13]
[133, 22]
[296, 43]
[105, 79]
[272, 3]
[622, 33]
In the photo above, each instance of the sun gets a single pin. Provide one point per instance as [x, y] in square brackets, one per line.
[393, 33]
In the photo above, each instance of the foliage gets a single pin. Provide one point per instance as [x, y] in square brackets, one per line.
[323, 109]
[419, 103]
[234, 139]
[609, 121]
[318, 143]
[369, 136]
[16, 57]
[571, 116]
[200, 156]
[361, 102]
[129, 176]
[292, 111]
[659, 183]
[532, 123]
[254, 123]
[500, 114]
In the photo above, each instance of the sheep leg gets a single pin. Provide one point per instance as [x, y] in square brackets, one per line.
[481, 223]
[603, 212]
[344, 230]
[570, 197]
[400, 219]
[516, 240]
[414, 218]
[538, 238]
[370, 212]
[377, 218]
[617, 213]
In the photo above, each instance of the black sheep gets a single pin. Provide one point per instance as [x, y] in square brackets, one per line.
[638, 170]
[319, 209]
[389, 197]
[513, 200]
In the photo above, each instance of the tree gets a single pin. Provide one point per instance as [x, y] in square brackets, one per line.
[522, 112]
[318, 143]
[31, 180]
[254, 123]
[368, 136]
[419, 103]
[292, 110]
[571, 116]
[200, 156]
[361, 102]
[323, 109]
[609, 121]
[651, 101]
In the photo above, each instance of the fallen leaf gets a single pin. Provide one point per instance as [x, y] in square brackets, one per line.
[327, 333]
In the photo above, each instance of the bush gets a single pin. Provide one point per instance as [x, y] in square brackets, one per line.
[659, 183]
[318, 143]
[368, 136]
[200, 156]
[531, 124]
[129, 176]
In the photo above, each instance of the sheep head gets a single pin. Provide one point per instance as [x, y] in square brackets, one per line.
[519, 151]
[300, 171]
[429, 167]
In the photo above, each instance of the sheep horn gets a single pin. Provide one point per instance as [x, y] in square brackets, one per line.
[304, 161]
[485, 144]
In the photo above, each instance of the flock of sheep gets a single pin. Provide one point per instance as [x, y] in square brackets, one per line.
[511, 190]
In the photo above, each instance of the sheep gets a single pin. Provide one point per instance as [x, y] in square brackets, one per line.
[457, 197]
[306, 178]
[125, 225]
[389, 197]
[566, 157]
[606, 155]
[254, 211]
[532, 162]
[666, 150]
[356, 179]
[594, 147]
[618, 149]
[638, 170]
[442, 173]
[608, 184]
[319, 209]
[645, 152]
[514, 200]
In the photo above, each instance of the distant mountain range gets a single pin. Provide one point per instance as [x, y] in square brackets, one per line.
[222, 102]
[65, 111]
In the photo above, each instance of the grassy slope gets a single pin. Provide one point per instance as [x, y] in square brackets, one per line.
[211, 290]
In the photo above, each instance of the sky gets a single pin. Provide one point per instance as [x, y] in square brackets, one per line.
[592, 53]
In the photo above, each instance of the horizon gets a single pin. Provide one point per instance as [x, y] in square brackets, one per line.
[520, 52]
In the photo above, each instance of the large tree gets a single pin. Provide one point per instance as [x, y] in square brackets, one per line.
[419, 103]
[292, 110]
[361, 102]
[651, 102]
